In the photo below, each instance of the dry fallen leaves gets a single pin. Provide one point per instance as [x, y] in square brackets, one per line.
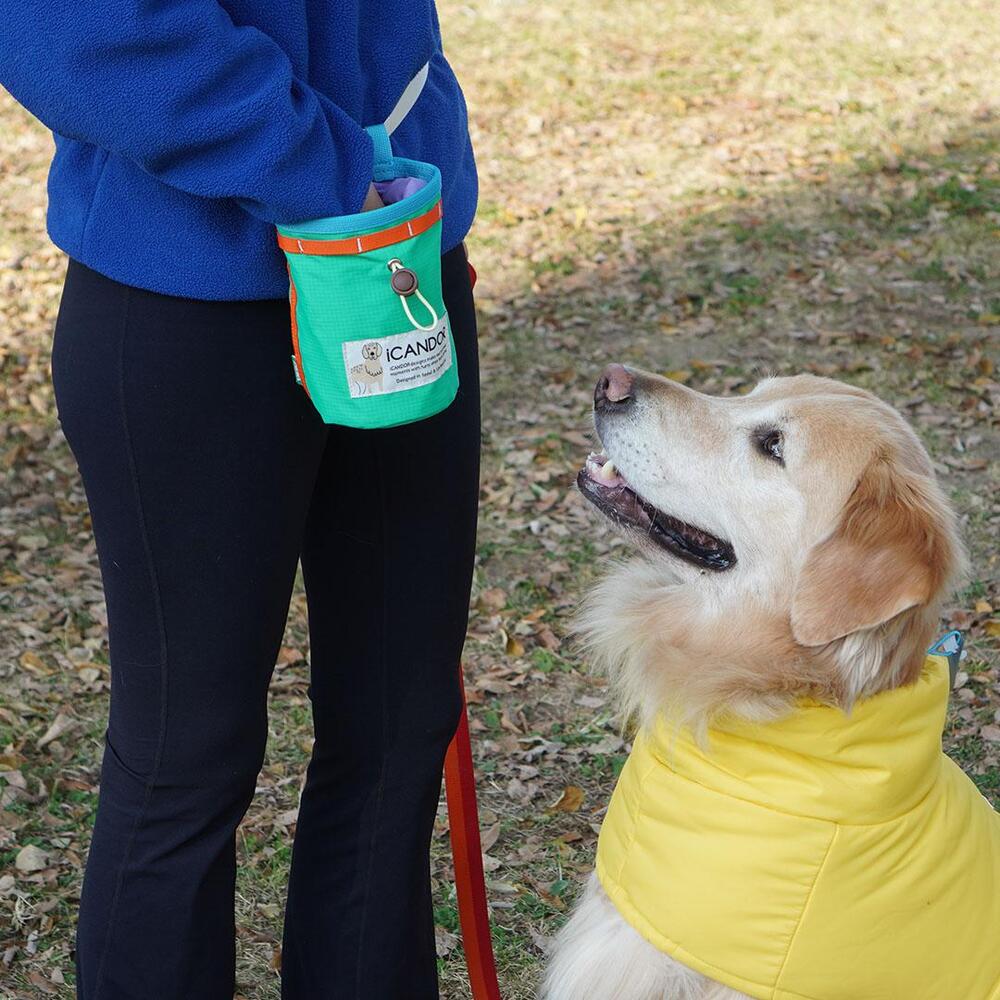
[60, 724]
[570, 801]
[444, 941]
[31, 858]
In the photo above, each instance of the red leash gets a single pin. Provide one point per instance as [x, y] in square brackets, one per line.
[466, 849]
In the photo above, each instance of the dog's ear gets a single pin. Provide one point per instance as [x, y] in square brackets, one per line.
[894, 548]
[378, 350]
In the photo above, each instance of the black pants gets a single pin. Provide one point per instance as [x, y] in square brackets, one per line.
[208, 475]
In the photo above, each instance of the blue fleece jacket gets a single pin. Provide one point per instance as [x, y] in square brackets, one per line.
[185, 129]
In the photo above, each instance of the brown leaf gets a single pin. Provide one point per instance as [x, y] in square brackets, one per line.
[506, 722]
[77, 785]
[31, 858]
[492, 600]
[494, 685]
[40, 982]
[60, 724]
[543, 892]
[547, 638]
[570, 800]
[444, 941]
[35, 664]
[991, 733]
[513, 646]
[959, 619]
[490, 836]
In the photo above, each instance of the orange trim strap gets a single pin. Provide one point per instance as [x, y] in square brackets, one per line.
[362, 244]
[293, 299]
[467, 851]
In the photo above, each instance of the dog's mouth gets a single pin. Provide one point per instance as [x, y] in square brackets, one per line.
[608, 490]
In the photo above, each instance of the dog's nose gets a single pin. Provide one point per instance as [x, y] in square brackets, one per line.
[614, 388]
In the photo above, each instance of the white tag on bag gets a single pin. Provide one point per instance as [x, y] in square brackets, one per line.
[402, 361]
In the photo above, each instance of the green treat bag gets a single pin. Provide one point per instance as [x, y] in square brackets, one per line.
[370, 334]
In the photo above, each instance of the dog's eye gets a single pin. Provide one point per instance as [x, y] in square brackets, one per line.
[770, 443]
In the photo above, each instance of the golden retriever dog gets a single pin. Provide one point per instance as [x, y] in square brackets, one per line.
[794, 549]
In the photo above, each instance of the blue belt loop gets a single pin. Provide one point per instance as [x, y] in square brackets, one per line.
[382, 164]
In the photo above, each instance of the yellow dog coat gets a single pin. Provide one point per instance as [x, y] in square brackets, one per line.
[819, 857]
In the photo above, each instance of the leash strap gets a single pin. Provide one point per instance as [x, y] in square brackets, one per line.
[407, 99]
[467, 851]
[382, 166]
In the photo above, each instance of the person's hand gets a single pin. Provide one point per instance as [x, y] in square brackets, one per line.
[372, 200]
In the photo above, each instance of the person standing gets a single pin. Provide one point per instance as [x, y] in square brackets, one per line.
[185, 130]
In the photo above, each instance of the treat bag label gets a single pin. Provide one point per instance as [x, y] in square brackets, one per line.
[380, 365]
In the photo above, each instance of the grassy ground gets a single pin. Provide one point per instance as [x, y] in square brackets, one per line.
[711, 190]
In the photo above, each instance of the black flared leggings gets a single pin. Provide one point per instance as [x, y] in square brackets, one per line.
[209, 475]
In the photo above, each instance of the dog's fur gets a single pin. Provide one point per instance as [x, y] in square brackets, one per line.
[844, 555]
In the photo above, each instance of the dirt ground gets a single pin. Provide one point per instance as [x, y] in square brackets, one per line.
[712, 191]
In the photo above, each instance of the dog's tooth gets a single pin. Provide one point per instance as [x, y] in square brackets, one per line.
[608, 471]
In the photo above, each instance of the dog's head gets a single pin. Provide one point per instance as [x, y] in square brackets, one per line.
[797, 529]
[371, 351]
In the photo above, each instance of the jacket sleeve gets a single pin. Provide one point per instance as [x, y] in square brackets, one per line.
[200, 103]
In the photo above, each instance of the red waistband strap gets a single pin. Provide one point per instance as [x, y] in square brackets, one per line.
[362, 244]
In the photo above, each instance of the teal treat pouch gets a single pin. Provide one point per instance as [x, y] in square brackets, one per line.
[372, 345]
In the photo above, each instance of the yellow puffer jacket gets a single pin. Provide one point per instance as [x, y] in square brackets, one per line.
[820, 857]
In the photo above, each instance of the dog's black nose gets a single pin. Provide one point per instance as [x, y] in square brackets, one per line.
[614, 388]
